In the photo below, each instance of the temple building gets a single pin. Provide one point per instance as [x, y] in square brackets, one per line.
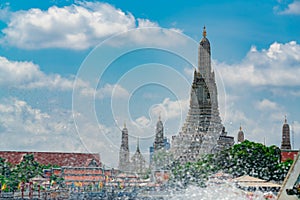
[286, 149]
[124, 151]
[286, 142]
[203, 127]
[138, 163]
[240, 137]
[54, 158]
[224, 141]
[159, 157]
[159, 135]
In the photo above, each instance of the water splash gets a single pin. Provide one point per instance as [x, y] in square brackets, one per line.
[215, 192]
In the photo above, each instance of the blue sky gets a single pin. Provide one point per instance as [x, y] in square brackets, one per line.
[46, 45]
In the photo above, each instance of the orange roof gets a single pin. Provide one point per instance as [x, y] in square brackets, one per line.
[288, 154]
[53, 158]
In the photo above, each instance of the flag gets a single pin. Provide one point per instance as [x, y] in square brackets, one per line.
[19, 186]
[3, 186]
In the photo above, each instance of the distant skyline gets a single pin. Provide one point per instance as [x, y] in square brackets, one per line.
[44, 44]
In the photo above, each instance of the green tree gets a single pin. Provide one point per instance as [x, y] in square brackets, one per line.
[24, 171]
[246, 158]
[194, 172]
[254, 159]
[4, 168]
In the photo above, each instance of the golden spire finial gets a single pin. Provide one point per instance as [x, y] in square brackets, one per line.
[204, 31]
[240, 127]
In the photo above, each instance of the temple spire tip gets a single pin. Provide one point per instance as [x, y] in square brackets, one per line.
[204, 31]
[285, 119]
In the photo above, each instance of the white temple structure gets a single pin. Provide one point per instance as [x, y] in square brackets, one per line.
[203, 129]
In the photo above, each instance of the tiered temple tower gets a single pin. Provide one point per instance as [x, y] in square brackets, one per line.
[286, 142]
[124, 164]
[203, 127]
[159, 135]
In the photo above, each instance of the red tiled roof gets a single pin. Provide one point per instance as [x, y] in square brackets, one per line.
[53, 158]
[286, 154]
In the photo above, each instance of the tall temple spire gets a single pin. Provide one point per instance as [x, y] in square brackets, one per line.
[286, 142]
[204, 59]
[203, 127]
[124, 151]
[159, 135]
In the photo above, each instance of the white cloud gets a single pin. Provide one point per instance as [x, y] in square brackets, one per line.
[78, 26]
[168, 110]
[277, 66]
[107, 91]
[292, 9]
[189, 72]
[295, 134]
[75, 26]
[27, 75]
[26, 128]
[283, 92]
[143, 121]
[171, 109]
[143, 23]
[266, 104]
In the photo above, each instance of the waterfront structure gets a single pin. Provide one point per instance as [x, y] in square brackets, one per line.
[203, 127]
[240, 137]
[124, 163]
[288, 154]
[286, 142]
[54, 158]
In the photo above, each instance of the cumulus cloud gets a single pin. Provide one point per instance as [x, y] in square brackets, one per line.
[75, 26]
[167, 110]
[27, 75]
[28, 128]
[107, 91]
[279, 65]
[79, 26]
[266, 104]
[23, 127]
[292, 9]
[143, 121]
[171, 109]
